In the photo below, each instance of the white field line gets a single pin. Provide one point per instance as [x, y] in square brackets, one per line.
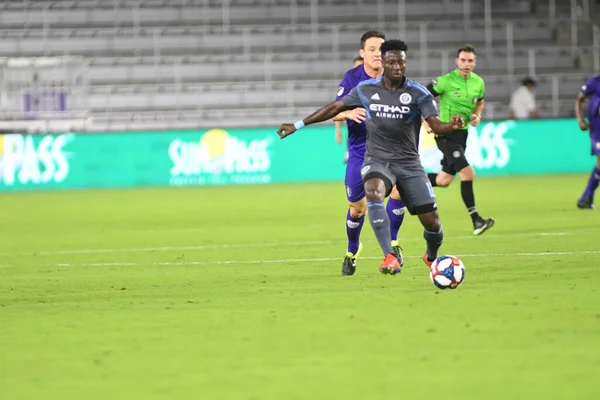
[255, 245]
[300, 260]
[169, 248]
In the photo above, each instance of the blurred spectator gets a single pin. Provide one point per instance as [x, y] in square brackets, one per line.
[522, 101]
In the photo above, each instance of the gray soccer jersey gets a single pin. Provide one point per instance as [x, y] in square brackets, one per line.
[393, 118]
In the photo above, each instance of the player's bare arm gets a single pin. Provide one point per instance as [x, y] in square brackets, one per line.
[340, 117]
[322, 114]
[427, 127]
[476, 115]
[440, 128]
[357, 115]
[339, 137]
[583, 125]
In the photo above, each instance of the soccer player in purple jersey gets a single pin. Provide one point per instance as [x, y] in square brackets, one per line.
[339, 136]
[592, 90]
[394, 107]
[372, 67]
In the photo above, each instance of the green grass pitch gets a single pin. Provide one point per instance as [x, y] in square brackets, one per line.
[236, 293]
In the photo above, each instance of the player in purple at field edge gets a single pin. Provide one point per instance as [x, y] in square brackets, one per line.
[339, 136]
[590, 90]
[372, 67]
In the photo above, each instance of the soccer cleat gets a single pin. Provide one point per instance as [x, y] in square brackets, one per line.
[482, 225]
[390, 265]
[426, 260]
[349, 263]
[586, 202]
[398, 252]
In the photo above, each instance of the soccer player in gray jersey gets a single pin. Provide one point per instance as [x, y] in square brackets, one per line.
[395, 106]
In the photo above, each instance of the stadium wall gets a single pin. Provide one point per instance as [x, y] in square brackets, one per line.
[258, 156]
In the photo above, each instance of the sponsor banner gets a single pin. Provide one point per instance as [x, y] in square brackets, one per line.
[27, 160]
[519, 147]
[177, 158]
[219, 157]
[252, 156]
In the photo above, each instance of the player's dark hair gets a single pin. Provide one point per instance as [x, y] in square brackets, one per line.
[393, 45]
[467, 48]
[357, 58]
[368, 35]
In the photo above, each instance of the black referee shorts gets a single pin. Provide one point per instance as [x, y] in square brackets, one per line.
[453, 146]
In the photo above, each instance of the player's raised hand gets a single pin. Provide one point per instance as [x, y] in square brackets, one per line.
[583, 125]
[357, 115]
[457, 122]
[286, 130]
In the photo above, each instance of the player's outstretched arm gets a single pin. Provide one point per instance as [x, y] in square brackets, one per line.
[583, 125]
[322, 114]
[339, 137]
[440, 128]
[357, 115]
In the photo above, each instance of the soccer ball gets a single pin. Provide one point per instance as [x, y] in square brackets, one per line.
[447, 272]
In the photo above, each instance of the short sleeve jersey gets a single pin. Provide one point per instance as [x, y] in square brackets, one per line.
[357, 132]
[393, 118]
[591, 89]
[458, 96]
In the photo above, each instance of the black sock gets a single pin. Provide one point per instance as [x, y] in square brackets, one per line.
[432, 177]
[466, 191]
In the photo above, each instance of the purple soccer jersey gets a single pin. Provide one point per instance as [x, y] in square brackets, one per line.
[357, 137]
[357, 133]
[592, 90]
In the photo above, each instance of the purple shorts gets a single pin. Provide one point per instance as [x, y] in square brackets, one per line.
[353, 181]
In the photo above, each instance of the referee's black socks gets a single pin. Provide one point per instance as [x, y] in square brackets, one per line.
[466, 191]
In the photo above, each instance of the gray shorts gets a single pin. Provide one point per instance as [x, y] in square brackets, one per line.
[412, 183]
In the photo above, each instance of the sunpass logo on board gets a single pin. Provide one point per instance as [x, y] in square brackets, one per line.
[33, 160]
[219, 158]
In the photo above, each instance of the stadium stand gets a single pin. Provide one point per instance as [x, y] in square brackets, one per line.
[153, 64]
